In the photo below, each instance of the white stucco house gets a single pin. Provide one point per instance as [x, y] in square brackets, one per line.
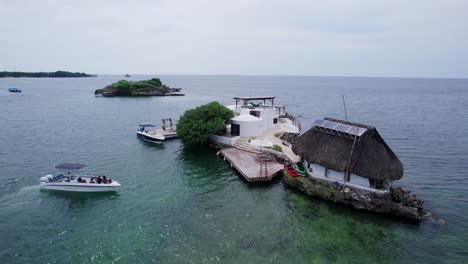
[252, 117]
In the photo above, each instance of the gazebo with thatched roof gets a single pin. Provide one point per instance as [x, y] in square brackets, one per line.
[338, 150]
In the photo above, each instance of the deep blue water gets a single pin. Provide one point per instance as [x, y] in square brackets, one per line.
[184, 205]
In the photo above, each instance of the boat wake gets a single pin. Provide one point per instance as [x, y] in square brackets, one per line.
[20, 197]
[29, 188]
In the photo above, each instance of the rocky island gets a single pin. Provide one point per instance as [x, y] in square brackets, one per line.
[57, 74]
[152, 87]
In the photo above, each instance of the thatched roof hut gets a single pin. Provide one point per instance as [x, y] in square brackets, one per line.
[372, 158]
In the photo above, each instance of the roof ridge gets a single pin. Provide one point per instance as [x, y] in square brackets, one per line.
[349, 123]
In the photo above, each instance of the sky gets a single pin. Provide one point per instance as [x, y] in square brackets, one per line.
[375, 38]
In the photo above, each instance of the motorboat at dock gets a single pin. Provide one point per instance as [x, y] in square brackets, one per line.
[149, 132]
[77, 183]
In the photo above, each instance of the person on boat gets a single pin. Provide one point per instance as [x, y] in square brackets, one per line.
[104, 179]
[92, 180]
[99, 179]
[80, 180]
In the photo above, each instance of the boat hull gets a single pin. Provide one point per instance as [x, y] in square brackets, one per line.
[152, 138]
[81, 188]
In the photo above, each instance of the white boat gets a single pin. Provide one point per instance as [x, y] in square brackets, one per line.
[149, 132]
[77, 183]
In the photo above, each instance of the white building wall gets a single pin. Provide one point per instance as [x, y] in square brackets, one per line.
[255, 128]
[335, 175]
[244, 111]
[317, 170]
[356, 179]
[268, 115]
[249, 128]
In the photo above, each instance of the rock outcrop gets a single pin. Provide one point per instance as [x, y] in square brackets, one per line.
[396, 201]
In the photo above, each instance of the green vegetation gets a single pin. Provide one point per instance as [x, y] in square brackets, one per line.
[153, 87]
[99, 91]
[277, 135]
[276, 147]
[57, 74]
[197, 125]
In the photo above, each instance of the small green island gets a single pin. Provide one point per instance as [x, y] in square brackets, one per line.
[57, 74]
[152, 87]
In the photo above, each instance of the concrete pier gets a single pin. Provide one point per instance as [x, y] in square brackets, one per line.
[253, 167]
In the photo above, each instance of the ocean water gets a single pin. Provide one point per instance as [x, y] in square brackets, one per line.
[183, 204]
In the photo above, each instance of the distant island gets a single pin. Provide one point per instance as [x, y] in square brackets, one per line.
[153, 87]
[57, 74]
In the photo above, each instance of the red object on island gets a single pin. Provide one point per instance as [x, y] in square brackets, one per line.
[291, 171]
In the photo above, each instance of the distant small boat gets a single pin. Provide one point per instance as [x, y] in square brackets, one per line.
[14, 90]
[127, 75]
[149, 132]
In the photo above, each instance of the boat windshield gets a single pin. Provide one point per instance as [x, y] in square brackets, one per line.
[146, 127]
[58, 178]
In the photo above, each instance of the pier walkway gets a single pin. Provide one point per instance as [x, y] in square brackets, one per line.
[253, 167]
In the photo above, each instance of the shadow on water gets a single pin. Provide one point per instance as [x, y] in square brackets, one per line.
[203, 159]
[155, 145]
[198, 160]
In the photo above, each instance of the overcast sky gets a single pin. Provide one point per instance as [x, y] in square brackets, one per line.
[402, 38]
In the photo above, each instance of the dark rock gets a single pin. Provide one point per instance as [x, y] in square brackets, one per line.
[396, 202]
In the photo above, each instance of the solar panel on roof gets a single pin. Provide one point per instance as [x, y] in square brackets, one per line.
[318, 122]
[358, 131]
[329, 124]
[342, 127]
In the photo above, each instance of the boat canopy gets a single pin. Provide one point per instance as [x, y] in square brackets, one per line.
[147, 125]
[70, 166]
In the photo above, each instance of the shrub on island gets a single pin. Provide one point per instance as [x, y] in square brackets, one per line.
[197, 125]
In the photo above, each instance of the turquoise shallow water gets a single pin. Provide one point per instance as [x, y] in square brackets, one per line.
[185, 205]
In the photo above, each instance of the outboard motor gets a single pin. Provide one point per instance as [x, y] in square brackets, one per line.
[46, 178]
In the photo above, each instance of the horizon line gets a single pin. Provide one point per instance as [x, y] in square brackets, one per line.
[273, 75]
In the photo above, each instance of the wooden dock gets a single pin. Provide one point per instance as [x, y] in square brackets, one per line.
[253, 167]
[168, 132]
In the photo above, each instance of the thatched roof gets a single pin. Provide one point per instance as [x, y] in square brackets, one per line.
[372, 157]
